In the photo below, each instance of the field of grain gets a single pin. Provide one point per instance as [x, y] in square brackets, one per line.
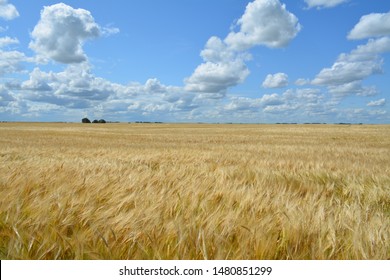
[194, 191]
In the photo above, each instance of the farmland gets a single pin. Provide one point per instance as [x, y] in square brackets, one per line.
[194, 191]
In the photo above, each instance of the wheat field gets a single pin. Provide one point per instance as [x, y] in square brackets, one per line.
[194, 191]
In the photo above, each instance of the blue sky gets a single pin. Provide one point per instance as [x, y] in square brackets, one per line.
[261, 61]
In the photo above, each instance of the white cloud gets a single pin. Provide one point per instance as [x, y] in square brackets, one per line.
[61, 33]
[75, 87]
[5, 97]
[5, 41]
[355, 66]
[108, 31]
[297, 105]
[8, 11]
[271, 99]
[222, 69]
[8, 103]
[280, 109]
[371, 49]
[380, 102]
[354, 88]
[157, 105]
[154, 85]
[38, 81]
[217, 51]
[243, 104]
[211, 77]
[324, 3]
[265, 22]
[302, 82]
[11, 61]
[344, 71]
[372, 25]
[277, 80]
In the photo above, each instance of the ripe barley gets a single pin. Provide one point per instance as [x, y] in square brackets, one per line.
[183, 191]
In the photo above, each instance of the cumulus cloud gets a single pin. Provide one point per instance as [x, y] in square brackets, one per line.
[277, 80]
[243, 104]
[265, 22]
[354, 87]
[380, 102]
[324, 3]
[5, 41]
[8, 103]
[217, 51]
[372, 25]
[5, 97]
[61, 33]
[8, 11]
[355, 66]
[223, 68]
[295, 104]
[212, 77]
[78, 88]
[345, 76]
[292, 105]
[76, 84]
[11, 61]
[271, 99]
[38, 81]
[302, 82]
[372, 48]
[345, 71]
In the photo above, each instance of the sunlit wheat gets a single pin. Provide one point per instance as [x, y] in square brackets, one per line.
[186, 191]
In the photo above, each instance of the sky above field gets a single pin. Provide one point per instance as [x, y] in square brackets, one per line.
[261, 61]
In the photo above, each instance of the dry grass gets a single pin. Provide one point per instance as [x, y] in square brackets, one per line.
[162, 191]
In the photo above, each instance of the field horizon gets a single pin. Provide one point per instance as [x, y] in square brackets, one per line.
[194, 191]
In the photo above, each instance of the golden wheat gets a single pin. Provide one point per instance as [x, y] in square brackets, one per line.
[194, 191]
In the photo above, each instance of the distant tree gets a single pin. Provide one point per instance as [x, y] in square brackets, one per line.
[102, 121]
[95, 121]
[85, 120]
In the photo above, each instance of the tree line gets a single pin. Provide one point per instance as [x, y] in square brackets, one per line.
[86, 120]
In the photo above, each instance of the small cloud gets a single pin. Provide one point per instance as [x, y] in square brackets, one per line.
[265, 22]
[216, 78]
[11, 61]
[217, 51]
[302, 82]
[353, 67]
[324, 3]
[243, 104]
[271, 100]
[222, 68]
[353, 88]
[377, 103]
[371, 25]
[5, 41]
[5, 96]
[277, 80]
[8, 11]
[108, 31]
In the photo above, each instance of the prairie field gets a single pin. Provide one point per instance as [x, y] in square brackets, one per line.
[194, 191]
